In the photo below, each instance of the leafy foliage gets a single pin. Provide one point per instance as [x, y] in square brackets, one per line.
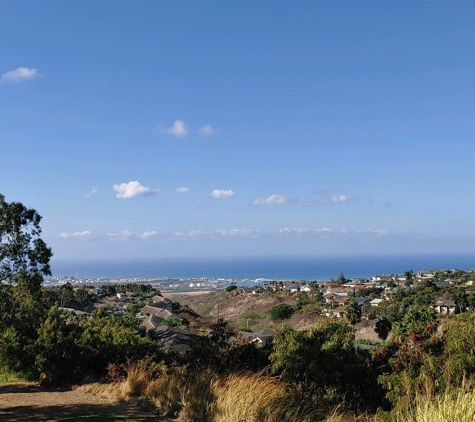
[383, 327]
[281, 311]
[323, 364]
[24, 259]
[352, 312]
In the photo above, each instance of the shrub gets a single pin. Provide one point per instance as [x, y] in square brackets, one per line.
[281, 311]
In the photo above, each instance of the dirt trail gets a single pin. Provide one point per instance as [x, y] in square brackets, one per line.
[28, 402]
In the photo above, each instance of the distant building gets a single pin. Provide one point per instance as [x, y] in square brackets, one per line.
[425, 274]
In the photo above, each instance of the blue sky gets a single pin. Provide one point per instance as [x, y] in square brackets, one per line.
[290, 127]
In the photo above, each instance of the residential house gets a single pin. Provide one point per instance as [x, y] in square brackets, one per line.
[426, 274]
[175, 340]
[446, 304]
[261, 338]
[376, 302]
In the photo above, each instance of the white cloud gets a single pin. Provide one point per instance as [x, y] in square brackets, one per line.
[222, 193]
[182, 190]
[177, 129]
[92, 192]
[19, 75]
[217, 234]
[326, 233]
[147, 235]
[298, 231]
[124, 235]
[133, 188]
[206, 130]
[379, 232]
[238, 233]
[274, 199]
[343, 198]
[85, 234]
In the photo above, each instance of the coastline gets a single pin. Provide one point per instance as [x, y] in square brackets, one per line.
[305, 268]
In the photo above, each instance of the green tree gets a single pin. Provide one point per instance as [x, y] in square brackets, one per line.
[24, 260]
[66, 294]
[341, 279]
[383, 327]
[352, 312]
[323, 364]
[81, 296]
[24, 257]
[441, 275]
[409, 278]
[281, 311]
[58, 352]
[303, 300]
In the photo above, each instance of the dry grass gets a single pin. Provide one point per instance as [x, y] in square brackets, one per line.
[455, 405]
[336, 416]
[208, 397]
[112, 392]
[257, 398]
[135, 384]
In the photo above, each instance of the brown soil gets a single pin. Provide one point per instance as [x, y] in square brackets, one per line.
[28, 402]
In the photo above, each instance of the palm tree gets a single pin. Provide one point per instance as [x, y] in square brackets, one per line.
[383, 327]
[352, 312]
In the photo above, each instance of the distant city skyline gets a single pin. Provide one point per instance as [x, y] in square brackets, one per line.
[184, 129]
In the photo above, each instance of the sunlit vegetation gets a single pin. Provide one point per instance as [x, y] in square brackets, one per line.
[422, 370]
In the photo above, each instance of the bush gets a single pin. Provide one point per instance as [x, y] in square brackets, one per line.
[281, 311]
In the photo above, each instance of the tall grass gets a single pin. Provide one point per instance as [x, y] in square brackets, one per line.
[454, 405]
[207, 397]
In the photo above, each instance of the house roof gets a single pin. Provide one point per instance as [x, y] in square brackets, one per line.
[175, 340]
[261, 336]
[362, 300]
[151, 322]
[338, 310]
[157, 311]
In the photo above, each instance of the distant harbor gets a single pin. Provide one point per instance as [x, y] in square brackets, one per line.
[305, 268]
[205, 274]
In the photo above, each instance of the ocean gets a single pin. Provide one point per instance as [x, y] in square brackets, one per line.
[278, 268]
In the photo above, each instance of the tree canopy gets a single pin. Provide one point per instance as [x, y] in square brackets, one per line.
[22, 252]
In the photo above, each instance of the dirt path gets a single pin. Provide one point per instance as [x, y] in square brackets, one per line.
[28, 402]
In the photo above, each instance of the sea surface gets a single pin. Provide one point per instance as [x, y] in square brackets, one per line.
[278, 268]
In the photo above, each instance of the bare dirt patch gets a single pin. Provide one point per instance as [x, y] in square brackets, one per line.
[29, 402]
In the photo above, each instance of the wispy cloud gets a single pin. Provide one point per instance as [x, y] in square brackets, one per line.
[343, 198]
[91, 192]
[216, 234]
[183, 189]
[326, 232]
[229, 235]
[274, 199]
[148, 235]
[325, 198]
[178, 129]
[222, 193]
[133, 188]
[19, 75]
[206, 130]
[85, 234]
[124, 235]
